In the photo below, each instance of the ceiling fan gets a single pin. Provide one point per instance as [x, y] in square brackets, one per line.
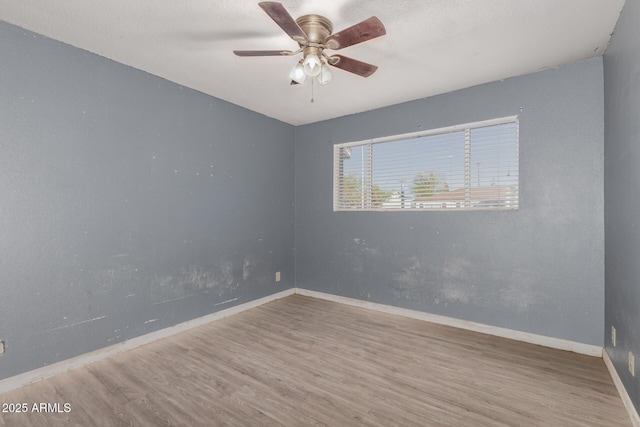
[313, 33]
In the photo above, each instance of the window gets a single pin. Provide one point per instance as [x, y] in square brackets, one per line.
[472, 166]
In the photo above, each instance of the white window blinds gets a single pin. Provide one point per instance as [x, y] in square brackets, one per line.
[472, 166]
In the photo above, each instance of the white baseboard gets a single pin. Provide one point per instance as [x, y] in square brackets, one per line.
[626, 399]
[35, 375]
[85, 359]
[590, 350]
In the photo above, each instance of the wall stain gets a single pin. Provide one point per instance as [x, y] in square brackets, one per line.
[457, 282]
[173, 299]
[256, 270]
[192, 279]
[74, 324]
[435, 281]
[356, 266]
[221, 279]
[521, 291]
[410, 282]
[226, 302]
[107, 279]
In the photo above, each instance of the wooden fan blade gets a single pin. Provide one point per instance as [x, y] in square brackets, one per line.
[352, 65]
[279, 14]
[365, 30]
[262, 52]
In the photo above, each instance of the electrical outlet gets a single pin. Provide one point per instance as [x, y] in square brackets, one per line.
[613, 336]
[277, 276]
[1, 348]
[632, 364]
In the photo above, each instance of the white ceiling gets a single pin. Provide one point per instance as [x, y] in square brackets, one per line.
[431, 46]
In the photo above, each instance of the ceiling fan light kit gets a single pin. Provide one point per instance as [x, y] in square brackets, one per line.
[297, 74]
[313, 33]
[325, 75]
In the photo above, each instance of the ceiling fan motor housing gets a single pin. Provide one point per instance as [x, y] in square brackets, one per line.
[317, 28]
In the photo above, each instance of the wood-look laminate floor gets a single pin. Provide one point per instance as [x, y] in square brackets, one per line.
[303, 361]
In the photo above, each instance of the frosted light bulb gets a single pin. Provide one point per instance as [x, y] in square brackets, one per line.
[312, 65]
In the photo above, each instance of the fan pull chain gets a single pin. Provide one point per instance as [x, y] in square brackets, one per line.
[312, 100]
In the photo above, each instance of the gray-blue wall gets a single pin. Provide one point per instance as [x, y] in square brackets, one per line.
[622, 190]
[127, 203]
[538, 270]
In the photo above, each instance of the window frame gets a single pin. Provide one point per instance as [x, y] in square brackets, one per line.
[466, 127]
